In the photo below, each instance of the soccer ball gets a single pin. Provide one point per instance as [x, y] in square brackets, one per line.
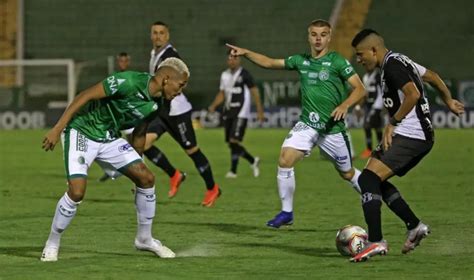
[350, 240]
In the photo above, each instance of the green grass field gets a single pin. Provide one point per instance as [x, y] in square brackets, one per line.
[231, 240]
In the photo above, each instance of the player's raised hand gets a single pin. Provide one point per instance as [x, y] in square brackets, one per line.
[339, 112]
[236, 51]
[456, 107]
[50, 140]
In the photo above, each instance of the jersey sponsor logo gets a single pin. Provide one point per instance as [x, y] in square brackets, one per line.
[425, 108]
[125, 148]
[81, 143]
[81, 160]
[306, 63]
[314, 117]
[303, 71]
[236, 90]
[323, 75]
[239, 79]
[113, 85]
[326, 63]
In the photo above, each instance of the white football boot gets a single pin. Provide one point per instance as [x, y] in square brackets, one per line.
[231, 175]
[50, 254]
[254, 166]
[156, 247]
[415, 236]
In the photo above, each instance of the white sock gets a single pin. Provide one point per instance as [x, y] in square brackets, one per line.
[145, 202]
[286, 187]
[65, 211]
[355, 179]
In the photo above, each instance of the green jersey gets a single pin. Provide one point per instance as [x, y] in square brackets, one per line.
[322, 88]
[128, 103]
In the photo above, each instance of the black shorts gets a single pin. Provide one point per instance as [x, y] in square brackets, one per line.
[403, 154]
[180, 127]
[373, 119]
[234, 128]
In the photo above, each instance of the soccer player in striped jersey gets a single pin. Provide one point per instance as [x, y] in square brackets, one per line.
[407, 138]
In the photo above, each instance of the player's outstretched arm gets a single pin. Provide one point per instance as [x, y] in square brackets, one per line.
[259, 59]
[217, 101]
[434, 79]
[93, 93]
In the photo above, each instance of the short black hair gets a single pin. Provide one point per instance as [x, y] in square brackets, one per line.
[121, 54]
[160, 23]
[362, 35]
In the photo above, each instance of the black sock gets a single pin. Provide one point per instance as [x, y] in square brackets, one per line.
[391, 196]
[235, 153]
[368, 138]
[159, 159]
[371, 198]
[247, 156]
[204, 168]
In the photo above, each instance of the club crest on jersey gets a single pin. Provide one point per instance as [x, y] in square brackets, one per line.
[313, 117]
[323, 75]
[306, 63]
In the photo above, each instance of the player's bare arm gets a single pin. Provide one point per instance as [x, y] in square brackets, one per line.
[259, 59]
[356, 95]
[217, 101]
[92, 93]
[411, 93]
[139, 138]
[435, 80]
[258, 104]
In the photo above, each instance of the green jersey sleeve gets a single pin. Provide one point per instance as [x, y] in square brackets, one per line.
[293, 62]
[344, 67]
[116, 84]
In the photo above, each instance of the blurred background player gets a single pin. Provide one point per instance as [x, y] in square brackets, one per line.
[175, 118]
[90, 130]
[236, 87]
[373, 105]
[323, 96]
[407, 138]
[123, 61]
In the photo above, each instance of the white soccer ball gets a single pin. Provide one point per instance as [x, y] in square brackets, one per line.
[350, 240]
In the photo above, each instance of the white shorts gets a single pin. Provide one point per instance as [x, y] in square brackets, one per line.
[80, 152]
[335, 146]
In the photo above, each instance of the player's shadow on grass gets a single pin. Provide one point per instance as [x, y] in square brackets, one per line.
[323, 252]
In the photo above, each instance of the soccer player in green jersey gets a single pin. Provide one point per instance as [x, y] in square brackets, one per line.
[325, 104]
[90, 131]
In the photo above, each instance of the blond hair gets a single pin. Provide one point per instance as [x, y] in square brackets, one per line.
[175, 63]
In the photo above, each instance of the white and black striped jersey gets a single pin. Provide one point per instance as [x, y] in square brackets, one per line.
[397, 71]
[374, 90]
[180, 104]
[236, 86]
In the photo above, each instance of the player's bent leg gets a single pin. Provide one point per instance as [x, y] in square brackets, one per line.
[351, 176]
[145, 203]
[65, 211]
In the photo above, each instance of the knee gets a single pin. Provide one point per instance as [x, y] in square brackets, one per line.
[147, 180]
[76, 193]
[285, 161]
